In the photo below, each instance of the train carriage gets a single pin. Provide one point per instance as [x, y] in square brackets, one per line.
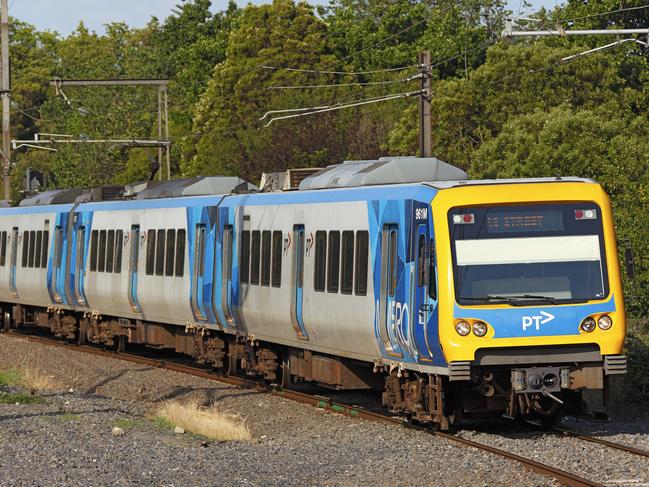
[453, 297]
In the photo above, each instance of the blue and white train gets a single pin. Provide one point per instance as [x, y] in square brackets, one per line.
[452, 296]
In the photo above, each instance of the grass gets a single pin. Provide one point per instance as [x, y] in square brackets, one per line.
[128, 423]
[29, 377]
[208, 422]
[21, 398]
[69, 417]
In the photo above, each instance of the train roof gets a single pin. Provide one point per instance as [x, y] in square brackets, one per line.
[484, 182]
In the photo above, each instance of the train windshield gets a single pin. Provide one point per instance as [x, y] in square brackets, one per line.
[527, 255]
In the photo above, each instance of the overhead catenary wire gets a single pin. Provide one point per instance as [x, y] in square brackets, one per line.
[605, 14]
[342, 85]
[341, 73]
[393, 96]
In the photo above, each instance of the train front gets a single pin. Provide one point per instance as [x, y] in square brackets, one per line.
[531, 306]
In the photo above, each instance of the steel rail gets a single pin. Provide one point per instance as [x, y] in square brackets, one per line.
[566, 478]
[600, 441]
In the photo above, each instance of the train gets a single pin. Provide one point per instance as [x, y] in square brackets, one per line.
[452, 298]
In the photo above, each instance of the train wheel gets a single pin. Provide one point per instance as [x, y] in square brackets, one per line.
[285, 371]
[82, 339]
[6, 322]
[120, 345]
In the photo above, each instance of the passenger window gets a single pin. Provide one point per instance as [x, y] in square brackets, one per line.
[171, 252]
[320, 261]
[101, 264]
[44, 251]
[277, 258]
[32, 245]
[160, 253]
[362, 245]
[244, 263]
[25, 247]
[392, 281]
[39, 246]
[119, 240]
[254, 257]
[180, 253]
[432, 284]
[347, 280]
[150, 252]
[265, 258]
[94, 242]
[110, 250]
[3, 249]
[333, 264]
[421, 261]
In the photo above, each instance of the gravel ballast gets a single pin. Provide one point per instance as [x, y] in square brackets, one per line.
[69, 440]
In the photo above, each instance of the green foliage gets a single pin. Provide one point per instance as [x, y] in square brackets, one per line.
[20, 398]
[10, 377]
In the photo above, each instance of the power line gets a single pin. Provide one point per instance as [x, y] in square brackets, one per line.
[603, 14]
[337, 85]
[342, 73]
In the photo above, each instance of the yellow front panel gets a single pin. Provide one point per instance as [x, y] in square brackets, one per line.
[458, 348]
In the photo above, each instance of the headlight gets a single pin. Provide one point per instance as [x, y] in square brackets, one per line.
[462, 328]
[588, 324]
[479, 328]
[605, 322]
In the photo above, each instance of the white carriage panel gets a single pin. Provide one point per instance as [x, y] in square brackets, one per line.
[337, 322]
[31, 282]
[163, 299]
[6, 225]
[107, 292]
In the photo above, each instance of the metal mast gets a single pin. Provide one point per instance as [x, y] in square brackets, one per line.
[6, 100]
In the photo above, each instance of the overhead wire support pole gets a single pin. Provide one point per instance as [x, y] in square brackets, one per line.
[425, 121]
[163, 108]
[509, 32]
[6, 99]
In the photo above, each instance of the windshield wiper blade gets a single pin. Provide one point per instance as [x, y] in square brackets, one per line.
[492, 297]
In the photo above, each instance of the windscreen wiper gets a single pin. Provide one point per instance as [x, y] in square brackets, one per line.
[513, 300]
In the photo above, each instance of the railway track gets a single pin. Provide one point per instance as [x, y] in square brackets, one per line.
[564, 477]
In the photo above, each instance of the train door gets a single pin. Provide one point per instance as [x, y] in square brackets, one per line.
[132, 269]
[57, 283]
[425, 290]
[389, 308]
[198, 273]
[79, 270]
[12, 262]
[297, 294]
[226, 275]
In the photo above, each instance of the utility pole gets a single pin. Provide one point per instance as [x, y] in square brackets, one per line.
[6, 100]
[425, 122]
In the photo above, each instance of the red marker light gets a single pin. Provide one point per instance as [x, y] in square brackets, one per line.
[590, 214]
[579, 214]
[468, 218]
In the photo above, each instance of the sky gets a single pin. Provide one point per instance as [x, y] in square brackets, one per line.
[63, 16]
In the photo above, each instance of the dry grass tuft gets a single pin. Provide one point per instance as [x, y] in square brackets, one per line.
[208, 422]
[36, 379]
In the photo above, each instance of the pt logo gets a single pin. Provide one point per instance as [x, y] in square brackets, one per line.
[536, 320]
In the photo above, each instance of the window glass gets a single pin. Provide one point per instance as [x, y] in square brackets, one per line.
[265, 258]
[94, 243]
[254, 257]
[171, 252]
[38, 250]
[362, 245]
[101, 264]
[119, 241]
[32, 247]
[3, 248]
[347, 262]
[421, 261]
[432, 284]
[277, 258]
[46, 244]
[392, 265]
[160, 253]
[110, 250]
[244, 264]
[25, 247]
[180, 253]
[333, 263]
[150, 252]
[320, 261]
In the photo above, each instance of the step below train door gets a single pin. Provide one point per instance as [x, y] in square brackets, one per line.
[133, 259]
[297, 280]
[389, 307]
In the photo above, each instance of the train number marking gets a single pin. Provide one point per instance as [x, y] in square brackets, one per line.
[421, 213]
[536, 320]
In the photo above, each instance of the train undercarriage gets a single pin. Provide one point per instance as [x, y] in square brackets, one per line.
[538, 393]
